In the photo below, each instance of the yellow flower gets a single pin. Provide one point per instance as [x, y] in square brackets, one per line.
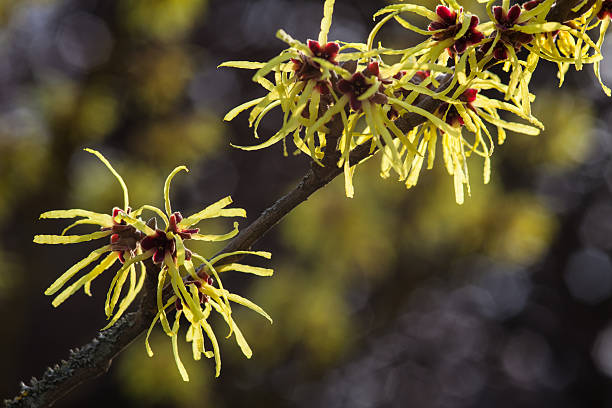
[191, 290]
[122, 246]
[322, 82]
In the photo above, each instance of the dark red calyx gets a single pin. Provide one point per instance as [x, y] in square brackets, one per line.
[446, 15]
[159, 242]
[399, 75]
[451, 113]
[173, 222]
[357, 86]
[124, 237]
[206, 278]
[506, 19]
[305, 68]
[447, 26]
[327, 52]
[606, 10]
[373, 69]
[469, 95]
[116, 211]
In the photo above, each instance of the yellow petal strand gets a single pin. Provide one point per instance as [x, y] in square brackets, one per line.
[61, 281]
[247, 303]
[242, 64]
[214, 238]
[240, 108]
[191, 269]
[157, 316]
[377, 28]
[215, 344]
[72, 289]
[177, 358]
[129, 298]
[103, 220]
[328, 10]
[513, 126]
[198, 342]
[137, 223]
[179, 286]
[465, 26]
[349, 171]
[596, 66]
[180, 250]
[153, 209]
[114, 290]
[442, 125]
[255, 270]
[79, 222]
[411, 27]
[143, 275]
[126, 200]
[242, 343]
[212, 211]
[70, 239]
[161, 279]
[232, 212]
[420, 10]
[93, 274]
[273, 63]
[263, 254]
[539, 28]
[167, 187]
[212, 269]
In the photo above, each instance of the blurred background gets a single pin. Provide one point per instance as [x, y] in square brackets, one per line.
[393, 298]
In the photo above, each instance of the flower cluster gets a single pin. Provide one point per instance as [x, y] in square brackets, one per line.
[132, 241]
[371, 88]
[448, 25]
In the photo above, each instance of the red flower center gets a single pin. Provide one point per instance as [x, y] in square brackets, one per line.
[162, 244]
[448, 26]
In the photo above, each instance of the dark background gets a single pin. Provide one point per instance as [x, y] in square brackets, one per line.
[393, 298]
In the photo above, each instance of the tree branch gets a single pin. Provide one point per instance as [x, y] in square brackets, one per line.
[95, 358]
[562, 10]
